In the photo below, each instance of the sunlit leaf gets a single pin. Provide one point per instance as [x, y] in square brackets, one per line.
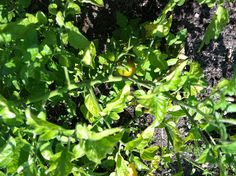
[218, 22]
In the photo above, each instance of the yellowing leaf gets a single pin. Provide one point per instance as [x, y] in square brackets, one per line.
[132, 170]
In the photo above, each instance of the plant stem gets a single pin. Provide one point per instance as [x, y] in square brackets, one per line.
[61, 91]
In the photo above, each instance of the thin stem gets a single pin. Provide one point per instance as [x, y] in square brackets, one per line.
[188, 106]
[67, 76]
[195, 164]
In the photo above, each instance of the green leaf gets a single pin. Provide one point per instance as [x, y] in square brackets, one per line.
[97, 150]
[142, 140]
[174, 80]
[20, 155]
[156, 104]
[231, 108]
[229, 147]
[178, 39]
[90, 117]
[158, 60]
[210, 3]
[78, 151]
[121, 166]
[76, 39]
[98, 3]
[9, 113]
[175, 135]
[89, 55]
[60, 163]
[45, 129]
[84, 132]
[206, 156]
[41, 17]
[96, 145]
[218, 22]
[46, 150]
[7, 152]
[121, 19]
[148, 154]
[60, 19]
[159, 28]
[139, 164]
[91, 105]
[73, 8]
[52, 8]
[118, 104]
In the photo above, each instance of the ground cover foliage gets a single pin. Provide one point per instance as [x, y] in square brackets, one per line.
[64, 102]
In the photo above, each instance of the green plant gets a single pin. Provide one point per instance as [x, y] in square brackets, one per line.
[47, 65]
[218, 22]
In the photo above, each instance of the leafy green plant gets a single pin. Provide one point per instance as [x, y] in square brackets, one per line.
[218, 22]
[55, 120]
